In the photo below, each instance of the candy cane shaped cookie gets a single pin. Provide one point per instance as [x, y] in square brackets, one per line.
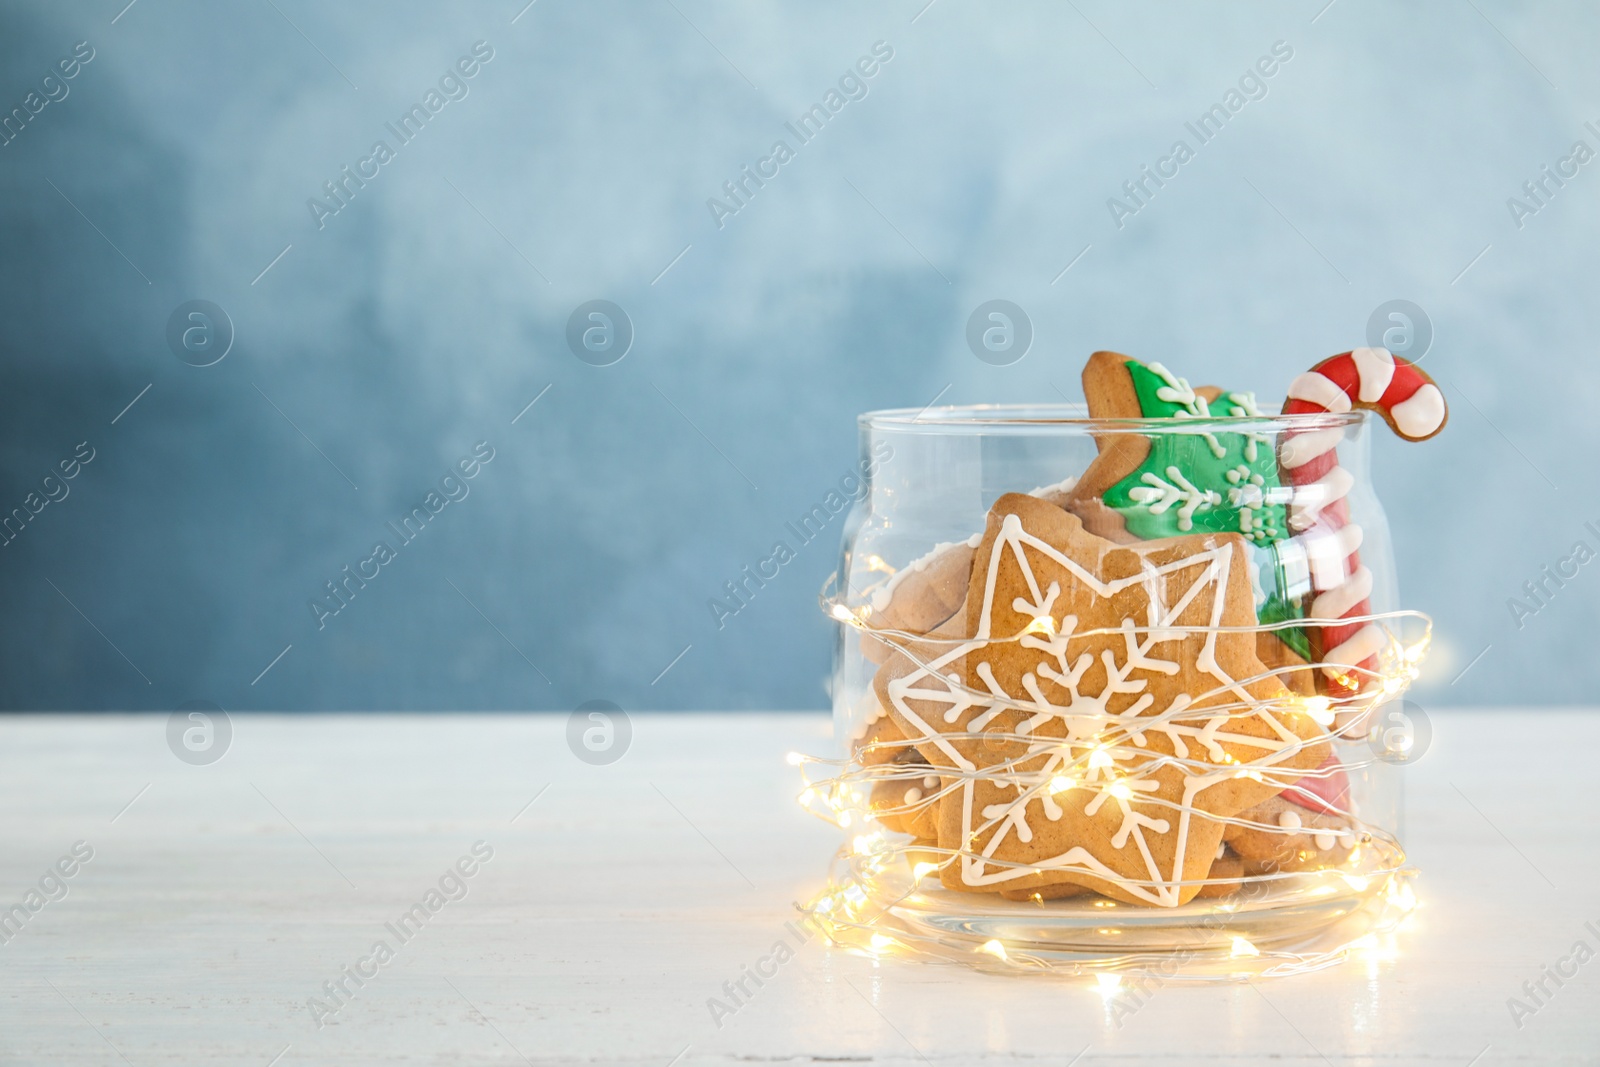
[1374, 380]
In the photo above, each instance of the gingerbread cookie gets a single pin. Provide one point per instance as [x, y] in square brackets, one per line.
[908, 655]
[1119, 454]
[920, 596]
[1223, 880]
[1103, 713]
[1164, 485]
[906, 801]
[880, 740]
[1284, 836]
[1292, 669]
[1225, 877]
[1114, 386]
[1047, 892]
[1308, 825]
[931, 589]
[1169, 484]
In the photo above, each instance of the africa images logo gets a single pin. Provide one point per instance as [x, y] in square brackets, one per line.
[1206, 127]
[453, 487]
[851, 487]
[451, 887]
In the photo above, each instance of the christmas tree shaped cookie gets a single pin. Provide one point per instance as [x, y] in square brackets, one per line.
[1145, 486]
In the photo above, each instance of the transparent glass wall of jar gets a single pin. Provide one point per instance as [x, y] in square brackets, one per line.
[934, 476]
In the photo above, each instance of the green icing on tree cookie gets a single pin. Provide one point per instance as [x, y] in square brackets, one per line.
[1202, 481]
[1210, 482]
[1278, 608]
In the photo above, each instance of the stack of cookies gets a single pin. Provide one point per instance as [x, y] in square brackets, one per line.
[1104, 691]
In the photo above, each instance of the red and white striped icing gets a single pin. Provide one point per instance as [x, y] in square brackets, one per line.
[1375, 380]
[1326, 790]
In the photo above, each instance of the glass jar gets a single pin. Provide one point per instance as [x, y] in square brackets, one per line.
[1106, 693]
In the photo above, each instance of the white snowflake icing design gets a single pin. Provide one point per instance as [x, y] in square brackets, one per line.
[1102, 751]
[1157, 496]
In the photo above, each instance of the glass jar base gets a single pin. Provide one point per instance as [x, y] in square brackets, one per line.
[1272, 926]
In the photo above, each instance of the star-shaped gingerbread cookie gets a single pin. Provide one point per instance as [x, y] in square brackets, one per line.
[1106, 711]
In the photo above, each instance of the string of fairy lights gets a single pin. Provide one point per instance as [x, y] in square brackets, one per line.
[885, 894]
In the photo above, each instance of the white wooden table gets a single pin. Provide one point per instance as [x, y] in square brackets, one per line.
[222, 899]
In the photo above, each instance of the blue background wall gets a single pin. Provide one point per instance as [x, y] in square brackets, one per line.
[423, 316]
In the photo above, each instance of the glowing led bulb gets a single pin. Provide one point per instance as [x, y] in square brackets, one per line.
[995, 948]
[1100, 757]
[866, 844]
[1109, 983]
[1119, 790]
[1061, 783]
[1402, 895]
[1320, 710]
[1241, 947]
[881, 943]
[843, 614]
[922, 870]
[1042, 624]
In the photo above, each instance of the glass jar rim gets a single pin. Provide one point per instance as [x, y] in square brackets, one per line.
[977, 418]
